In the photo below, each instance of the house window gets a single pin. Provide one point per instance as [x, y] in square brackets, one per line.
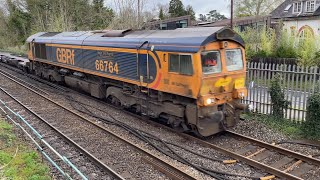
[163, 26]
[287, 8]
[182, 24]
[297, 7]
[306, 32]
[310, 6]
[180, 64]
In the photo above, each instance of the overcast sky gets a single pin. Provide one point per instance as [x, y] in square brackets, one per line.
[204, 6]
[199, 6]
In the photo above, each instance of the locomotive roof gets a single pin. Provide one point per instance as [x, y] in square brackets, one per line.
[178, 40]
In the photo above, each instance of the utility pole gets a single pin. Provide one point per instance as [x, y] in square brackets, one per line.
[139, 14]
[231, 18]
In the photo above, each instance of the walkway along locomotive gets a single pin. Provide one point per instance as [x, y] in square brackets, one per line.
[192, 78]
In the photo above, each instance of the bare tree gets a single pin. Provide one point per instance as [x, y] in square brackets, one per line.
[165, 9]
[127, 14]
[255, 7]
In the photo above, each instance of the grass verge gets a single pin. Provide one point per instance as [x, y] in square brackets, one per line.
[17, 160]
[284, 126]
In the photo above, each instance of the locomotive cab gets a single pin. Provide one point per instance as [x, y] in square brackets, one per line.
[222, 86]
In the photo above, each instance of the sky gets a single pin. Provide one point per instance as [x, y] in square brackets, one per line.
[204, 6]
[199, 6]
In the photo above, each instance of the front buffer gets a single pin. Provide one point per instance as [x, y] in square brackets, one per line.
[212, 120]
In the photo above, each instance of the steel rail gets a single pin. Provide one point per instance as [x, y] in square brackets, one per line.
[31, 76]
[89, 155]
[179, 172]
[249, 161]
[281, 150]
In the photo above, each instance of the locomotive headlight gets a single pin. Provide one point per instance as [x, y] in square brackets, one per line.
[241, 94]
[210, 101]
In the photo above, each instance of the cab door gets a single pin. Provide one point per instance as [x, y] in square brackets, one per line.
[143, 66]
[31, 55]
[31, 50]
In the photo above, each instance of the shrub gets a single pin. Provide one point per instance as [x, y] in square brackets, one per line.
[311, 126]
[265, 42]
[285, 47]
[285, 52]
[279, 103]
[259, 41]
[317, 59]
[307, 49]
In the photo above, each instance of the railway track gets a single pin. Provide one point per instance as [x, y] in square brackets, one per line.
[34, 102]
[291, 165]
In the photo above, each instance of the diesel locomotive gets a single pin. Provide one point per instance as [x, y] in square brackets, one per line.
[191, 78]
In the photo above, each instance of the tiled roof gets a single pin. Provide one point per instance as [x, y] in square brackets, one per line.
[281, 12]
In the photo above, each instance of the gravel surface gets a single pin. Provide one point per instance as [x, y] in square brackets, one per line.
[166, 135]
[57, 142]
[259, 131]
[123, 158]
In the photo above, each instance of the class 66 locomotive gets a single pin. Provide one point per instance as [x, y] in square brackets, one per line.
[192, 79]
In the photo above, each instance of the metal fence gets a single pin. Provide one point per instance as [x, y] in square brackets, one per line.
[272, 60]
[297, 82]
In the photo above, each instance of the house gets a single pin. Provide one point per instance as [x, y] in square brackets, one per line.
[169, 24]
[300, 18]
[242, 23]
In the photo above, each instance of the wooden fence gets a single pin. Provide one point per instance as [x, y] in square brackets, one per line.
[297, 82]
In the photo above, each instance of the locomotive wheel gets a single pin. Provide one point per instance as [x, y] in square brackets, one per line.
[113, 100]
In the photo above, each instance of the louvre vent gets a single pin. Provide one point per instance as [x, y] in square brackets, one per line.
[116, 33]
[49, 34]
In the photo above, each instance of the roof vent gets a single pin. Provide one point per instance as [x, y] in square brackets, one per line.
[99, 31]
[116, 33]
[49, 34]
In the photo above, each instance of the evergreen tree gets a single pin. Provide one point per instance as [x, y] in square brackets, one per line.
[102, 16]
[176, 8]
[215, 16]
[190, 11]
[98, 5]
[18, 23]
[161, 14]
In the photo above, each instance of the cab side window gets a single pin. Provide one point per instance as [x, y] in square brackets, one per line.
[40, 50]
[174, 63]
[181, 64]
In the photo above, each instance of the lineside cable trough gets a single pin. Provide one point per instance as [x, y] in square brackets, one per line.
[13, 116]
